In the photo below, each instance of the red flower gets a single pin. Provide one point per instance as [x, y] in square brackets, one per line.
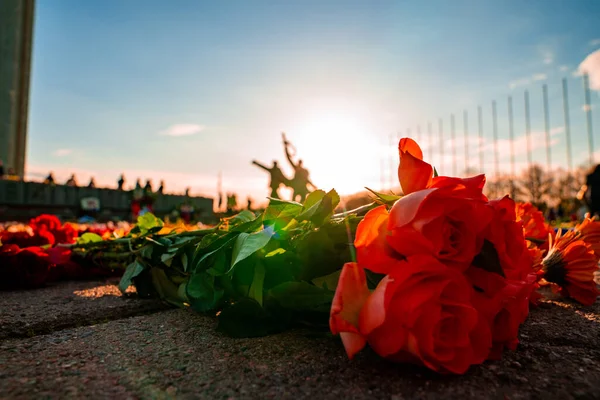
[506, 234]
[420, 313]
[534, 224]
[447, 222]
[570, 265]
[23, 268]
[47, 221]
[590, 233]
[503, 303]
[459, 273]
[49, 224]
[26, 239]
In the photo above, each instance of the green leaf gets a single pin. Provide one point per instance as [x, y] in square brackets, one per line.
[247, 244]
[302, 296]
[89, 238]
[201, 292]
[148, 221]
[219, 265]
[280, 214]
[328, 282]
[256, 288]
[203, 255]
[275, 252]
[246, 318]
[435, 173]
[132, 270]
[384, 198]
[167, 258]
[319, 208]
[146, 251]
[242, 217]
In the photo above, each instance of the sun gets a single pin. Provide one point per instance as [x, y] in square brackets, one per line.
[338, 149]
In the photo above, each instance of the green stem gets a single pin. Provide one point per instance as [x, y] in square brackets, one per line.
[140, 239]
[357, 211]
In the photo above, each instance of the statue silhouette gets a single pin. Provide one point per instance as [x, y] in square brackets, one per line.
[276, 177]
[300, 182]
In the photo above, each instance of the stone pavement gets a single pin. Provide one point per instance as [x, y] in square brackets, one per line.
[83, 340]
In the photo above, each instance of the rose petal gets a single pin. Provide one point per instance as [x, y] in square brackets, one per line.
[414, 174]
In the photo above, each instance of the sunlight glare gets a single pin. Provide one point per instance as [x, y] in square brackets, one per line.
[338, 151]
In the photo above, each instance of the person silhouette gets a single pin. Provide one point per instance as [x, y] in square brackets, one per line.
[592, 181]
[300, 182]
[72, 181]
[276, 177]
[121, 182]
[49, 179]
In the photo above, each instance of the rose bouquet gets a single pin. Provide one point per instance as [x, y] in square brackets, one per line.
[457, 274]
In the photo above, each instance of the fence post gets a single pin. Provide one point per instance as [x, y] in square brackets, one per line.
[547, 126]
[495, 135]
[528, 130]
[466, 138]
[567, 123]
[588, 116]
[480, 126]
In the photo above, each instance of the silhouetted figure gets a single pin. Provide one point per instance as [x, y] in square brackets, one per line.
[137, 197]
[220, 204]
[49, 179]
[249, 204]
[148, 187]
[593, 191]
[121, 182]
[300, 182]
[161, 188]
[187, 192]
[1, 170]
[276, 177]
[231, 203]
[72, 182]
[92, 183]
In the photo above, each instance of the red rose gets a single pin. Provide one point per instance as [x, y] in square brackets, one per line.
[47, 221]
[23, 268]
[506, 234]
[25, 239]
[534, 224]
[503, 303]
[437, 221]
[420, 313]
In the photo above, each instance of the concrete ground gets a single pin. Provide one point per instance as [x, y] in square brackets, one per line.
[84, 340]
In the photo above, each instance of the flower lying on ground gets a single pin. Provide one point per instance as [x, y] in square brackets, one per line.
[23, 268]
[570, 265]
[458, 273]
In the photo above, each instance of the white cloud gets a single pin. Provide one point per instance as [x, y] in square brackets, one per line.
[547, 56]
[539, 77]
[519, 82]
[591, 66]
[595, 42]
[182, 130]
[557, 130]
[62, 152]
[563, 68]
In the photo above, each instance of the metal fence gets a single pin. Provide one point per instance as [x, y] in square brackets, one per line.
[485, 139]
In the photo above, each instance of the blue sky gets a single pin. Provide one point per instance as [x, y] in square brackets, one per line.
[182, 90]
